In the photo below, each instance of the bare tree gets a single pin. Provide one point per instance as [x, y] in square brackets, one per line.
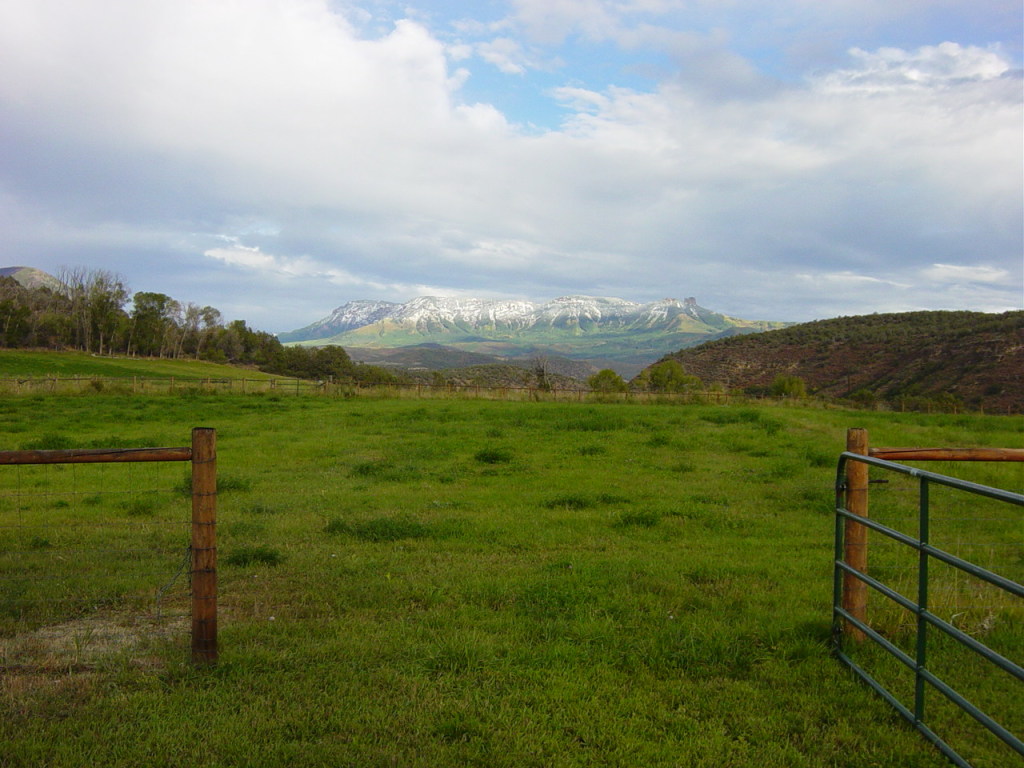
[96, 300]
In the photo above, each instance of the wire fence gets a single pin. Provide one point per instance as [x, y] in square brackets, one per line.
[563, 392]
[97, 556]
[292, 386]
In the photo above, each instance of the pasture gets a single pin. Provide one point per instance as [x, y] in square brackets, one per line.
[463, 582]
[21, 364]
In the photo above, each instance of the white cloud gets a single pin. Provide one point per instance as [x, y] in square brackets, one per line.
[268, 266]
[929, 67]
[240, 256]
[955, 273]
[846, 278]
[302, 271]
[506, 54]
[550, 21]
[380, 175]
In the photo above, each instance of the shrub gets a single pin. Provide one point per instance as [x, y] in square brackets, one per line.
[669, 376]
[607, 380]
[788, 386]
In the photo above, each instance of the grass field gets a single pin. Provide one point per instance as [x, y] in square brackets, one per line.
[15, 363]
[453, 583]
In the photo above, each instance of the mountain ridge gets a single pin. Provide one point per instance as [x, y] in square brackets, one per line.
[578, 327]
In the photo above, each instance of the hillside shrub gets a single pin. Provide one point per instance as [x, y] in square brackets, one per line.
[788, 386]
[607, 381]
[668, 376]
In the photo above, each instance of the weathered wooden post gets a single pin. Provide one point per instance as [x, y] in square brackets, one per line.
[204, 545]
[855, 553]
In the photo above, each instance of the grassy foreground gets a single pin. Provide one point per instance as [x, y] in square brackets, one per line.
[450, 583]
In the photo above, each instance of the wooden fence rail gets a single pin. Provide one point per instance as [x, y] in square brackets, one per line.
[203, 456]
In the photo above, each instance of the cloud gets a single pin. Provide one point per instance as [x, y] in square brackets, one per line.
[252, 258]
[506, 54]
[929, 67]
[838, 280]
[269, 266]
[287, 141]
[954, 273]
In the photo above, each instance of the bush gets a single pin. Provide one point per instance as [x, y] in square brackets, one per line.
[607, 380]
[668, 376]
[788, 386]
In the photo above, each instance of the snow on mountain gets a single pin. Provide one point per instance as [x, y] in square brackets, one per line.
[354, 314]
[435, 314]
[433, 311]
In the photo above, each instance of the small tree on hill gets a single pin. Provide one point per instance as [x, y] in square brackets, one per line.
[607, 380]
[669, 376]
[789, 386]
[540, 371]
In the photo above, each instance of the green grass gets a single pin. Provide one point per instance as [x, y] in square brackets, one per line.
[20, 363]
[452, 583]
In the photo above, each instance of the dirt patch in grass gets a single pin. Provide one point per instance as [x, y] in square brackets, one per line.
[86, 643]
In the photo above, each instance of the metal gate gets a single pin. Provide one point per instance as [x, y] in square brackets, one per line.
[849, 627]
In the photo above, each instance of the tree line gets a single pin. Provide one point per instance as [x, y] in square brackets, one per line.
[94, 311]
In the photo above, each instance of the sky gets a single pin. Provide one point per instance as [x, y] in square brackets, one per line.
[791, 160]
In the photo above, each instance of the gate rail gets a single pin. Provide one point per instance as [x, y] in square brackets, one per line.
[845, 618]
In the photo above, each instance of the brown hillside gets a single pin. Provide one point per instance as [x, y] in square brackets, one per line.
[972, 358]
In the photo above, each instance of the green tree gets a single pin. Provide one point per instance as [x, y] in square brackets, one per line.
[607, 380]
[669, 376]
[154, 324]
[788, 386]
[14, 312]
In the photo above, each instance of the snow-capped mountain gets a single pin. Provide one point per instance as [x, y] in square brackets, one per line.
[579, 314]
[602, 330]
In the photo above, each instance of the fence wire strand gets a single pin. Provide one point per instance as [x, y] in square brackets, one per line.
[70, 551]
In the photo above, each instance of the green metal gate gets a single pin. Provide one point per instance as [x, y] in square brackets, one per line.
[847, 626]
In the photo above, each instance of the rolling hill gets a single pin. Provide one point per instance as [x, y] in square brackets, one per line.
[973, 358]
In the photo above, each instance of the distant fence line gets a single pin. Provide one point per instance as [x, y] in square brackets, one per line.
[293, 386]
[289, 386]
[422, 390]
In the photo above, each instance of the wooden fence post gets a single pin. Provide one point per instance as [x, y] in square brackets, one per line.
[855, 554]
[204, 545]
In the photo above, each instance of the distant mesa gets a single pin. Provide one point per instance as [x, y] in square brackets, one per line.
[498, 318]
